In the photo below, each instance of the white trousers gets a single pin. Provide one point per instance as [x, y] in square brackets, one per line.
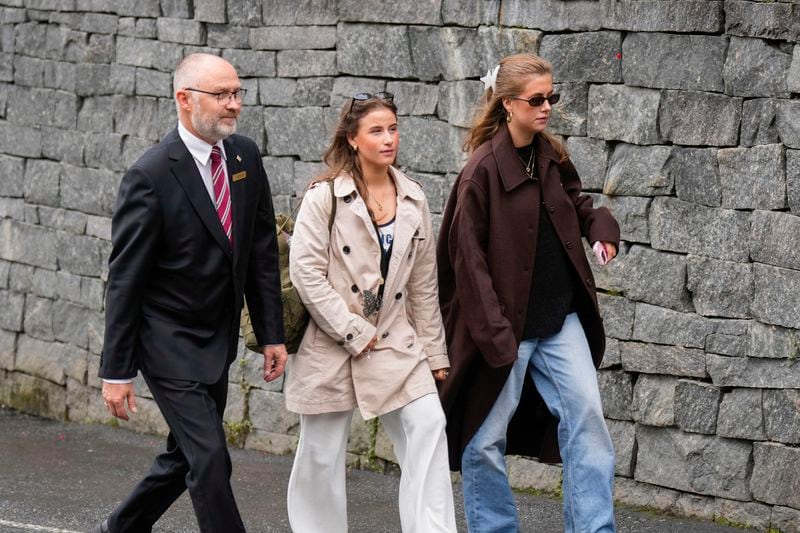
[316, 498]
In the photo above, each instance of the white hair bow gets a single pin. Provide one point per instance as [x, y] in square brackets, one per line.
[490, 80]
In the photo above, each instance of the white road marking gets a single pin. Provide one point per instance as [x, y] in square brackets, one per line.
[34, 527]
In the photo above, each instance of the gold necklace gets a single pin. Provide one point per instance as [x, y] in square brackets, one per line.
[529, 165]
[374, 199]
[380, 207]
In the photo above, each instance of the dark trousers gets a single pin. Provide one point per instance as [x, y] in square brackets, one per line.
[196, 458]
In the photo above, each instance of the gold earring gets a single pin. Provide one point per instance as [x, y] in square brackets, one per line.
[508, 117]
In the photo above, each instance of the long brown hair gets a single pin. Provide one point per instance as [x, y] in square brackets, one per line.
[511, 79]
[340, 156]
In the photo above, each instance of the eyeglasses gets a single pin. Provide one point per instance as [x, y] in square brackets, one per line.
[224, 97]
[537, 100]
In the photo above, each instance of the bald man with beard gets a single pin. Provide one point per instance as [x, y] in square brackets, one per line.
[193, 234]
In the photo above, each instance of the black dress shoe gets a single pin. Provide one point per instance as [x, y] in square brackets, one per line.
[102, 527]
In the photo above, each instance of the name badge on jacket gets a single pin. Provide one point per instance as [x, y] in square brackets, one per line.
[239, 176]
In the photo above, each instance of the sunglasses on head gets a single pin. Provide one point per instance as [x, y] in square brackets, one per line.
[363, 97]
[537, 100]
[383, 95]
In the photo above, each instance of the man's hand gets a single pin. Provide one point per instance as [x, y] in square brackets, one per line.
[275, 357]
[115, 395]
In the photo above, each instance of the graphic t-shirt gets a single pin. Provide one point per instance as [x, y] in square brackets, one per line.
[386, 235]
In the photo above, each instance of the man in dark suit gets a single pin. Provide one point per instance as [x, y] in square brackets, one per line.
[193, 231]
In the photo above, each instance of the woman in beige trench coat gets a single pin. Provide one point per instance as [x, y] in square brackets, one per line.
[375, 340]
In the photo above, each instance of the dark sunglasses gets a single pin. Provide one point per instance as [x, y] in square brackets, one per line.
[536, 101]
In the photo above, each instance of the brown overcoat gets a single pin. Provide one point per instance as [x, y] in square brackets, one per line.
[485, 256]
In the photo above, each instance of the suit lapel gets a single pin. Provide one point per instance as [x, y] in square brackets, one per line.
[235, 164]
[185, 171]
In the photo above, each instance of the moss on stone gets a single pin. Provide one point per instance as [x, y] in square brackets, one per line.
[721, 520]
[32, 396]
[794, 348]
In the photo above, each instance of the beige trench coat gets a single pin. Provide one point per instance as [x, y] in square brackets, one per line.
[337, 276]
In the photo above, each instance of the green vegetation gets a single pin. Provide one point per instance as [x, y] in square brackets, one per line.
[721, 520]
[372, 462]
[237, 431]
[558, 493]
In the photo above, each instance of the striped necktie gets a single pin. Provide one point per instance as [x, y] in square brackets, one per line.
[222, 195]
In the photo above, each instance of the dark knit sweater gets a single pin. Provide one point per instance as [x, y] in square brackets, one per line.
[552, 295]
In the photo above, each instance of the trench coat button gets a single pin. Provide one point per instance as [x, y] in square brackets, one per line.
[340, 343]
[346, 249]
[354, 288]
[385, 334]
[410, 255]
[348, 199]
[569, 245]
[398, 295]
[349, 337]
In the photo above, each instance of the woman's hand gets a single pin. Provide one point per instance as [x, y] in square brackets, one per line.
[370, 346]
[611, 250]
[441, 374]
[604, 251]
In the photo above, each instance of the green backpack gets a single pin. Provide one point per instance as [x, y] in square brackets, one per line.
[295, 315]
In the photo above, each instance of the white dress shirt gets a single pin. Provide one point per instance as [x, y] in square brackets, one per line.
[201, 152]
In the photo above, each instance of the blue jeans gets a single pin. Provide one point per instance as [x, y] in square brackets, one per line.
[562, 370]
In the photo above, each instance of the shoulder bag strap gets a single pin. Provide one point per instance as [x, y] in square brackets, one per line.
[333, 208]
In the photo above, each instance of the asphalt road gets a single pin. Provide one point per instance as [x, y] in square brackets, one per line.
[64, 478]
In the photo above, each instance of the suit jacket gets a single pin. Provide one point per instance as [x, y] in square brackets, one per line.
[175, 283]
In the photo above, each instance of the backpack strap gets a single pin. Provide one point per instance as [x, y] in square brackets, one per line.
[297, 207]
[290, 217]
[333, 208]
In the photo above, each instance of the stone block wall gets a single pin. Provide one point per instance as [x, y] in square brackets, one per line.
[682, 116]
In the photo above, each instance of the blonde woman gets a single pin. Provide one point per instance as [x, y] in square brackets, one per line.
[375, 340]
[520, 309]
